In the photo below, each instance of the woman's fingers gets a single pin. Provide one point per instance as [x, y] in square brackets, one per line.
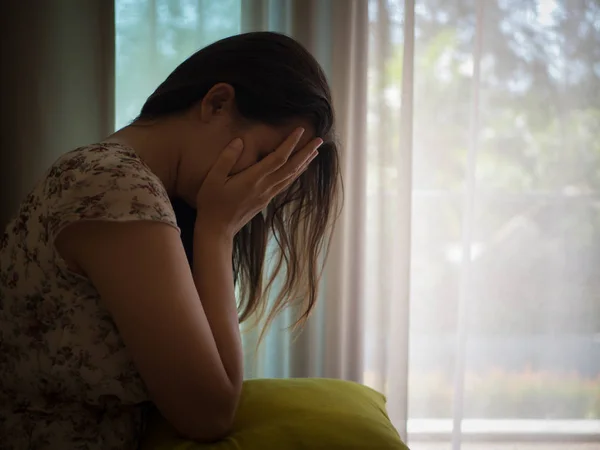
[295, 163]
[278, 158]
[293, 176]
[226, 160]
[282, 154]
[278, 170]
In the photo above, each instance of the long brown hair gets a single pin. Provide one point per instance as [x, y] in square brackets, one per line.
[275, 80]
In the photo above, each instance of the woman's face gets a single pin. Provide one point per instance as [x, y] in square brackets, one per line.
[261, 139]
[214, 124]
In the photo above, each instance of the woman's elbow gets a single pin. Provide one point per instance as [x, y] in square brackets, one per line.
[209, 429]
[212, 423]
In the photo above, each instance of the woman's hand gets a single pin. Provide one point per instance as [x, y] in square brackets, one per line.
[226, 203]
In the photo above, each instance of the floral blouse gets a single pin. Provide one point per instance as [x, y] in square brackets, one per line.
[66, 379]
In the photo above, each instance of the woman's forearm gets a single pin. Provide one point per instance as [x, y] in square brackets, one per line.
[213, 276]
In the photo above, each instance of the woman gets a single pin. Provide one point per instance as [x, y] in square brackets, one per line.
[101, 312]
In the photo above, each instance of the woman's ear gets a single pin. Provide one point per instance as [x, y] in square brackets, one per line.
[219, 101]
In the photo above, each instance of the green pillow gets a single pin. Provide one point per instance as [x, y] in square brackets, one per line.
[289, 414]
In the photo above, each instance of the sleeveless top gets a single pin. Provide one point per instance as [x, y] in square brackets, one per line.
[66, 378]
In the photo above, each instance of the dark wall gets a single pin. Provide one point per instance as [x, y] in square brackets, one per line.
[56, 86]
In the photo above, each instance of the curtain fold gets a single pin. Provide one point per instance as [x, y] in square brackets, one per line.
[398, 322]
[344, 276]
[468, 220]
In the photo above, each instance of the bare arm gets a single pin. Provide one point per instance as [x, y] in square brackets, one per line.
[213, 275]
[191, 366]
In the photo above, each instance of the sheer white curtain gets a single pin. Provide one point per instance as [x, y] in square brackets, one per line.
[464, 275]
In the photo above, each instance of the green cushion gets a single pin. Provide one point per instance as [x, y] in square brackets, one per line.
[288, 414]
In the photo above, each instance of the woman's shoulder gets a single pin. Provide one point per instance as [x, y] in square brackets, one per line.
[105, 181]
[110, 160]
[102, 167]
